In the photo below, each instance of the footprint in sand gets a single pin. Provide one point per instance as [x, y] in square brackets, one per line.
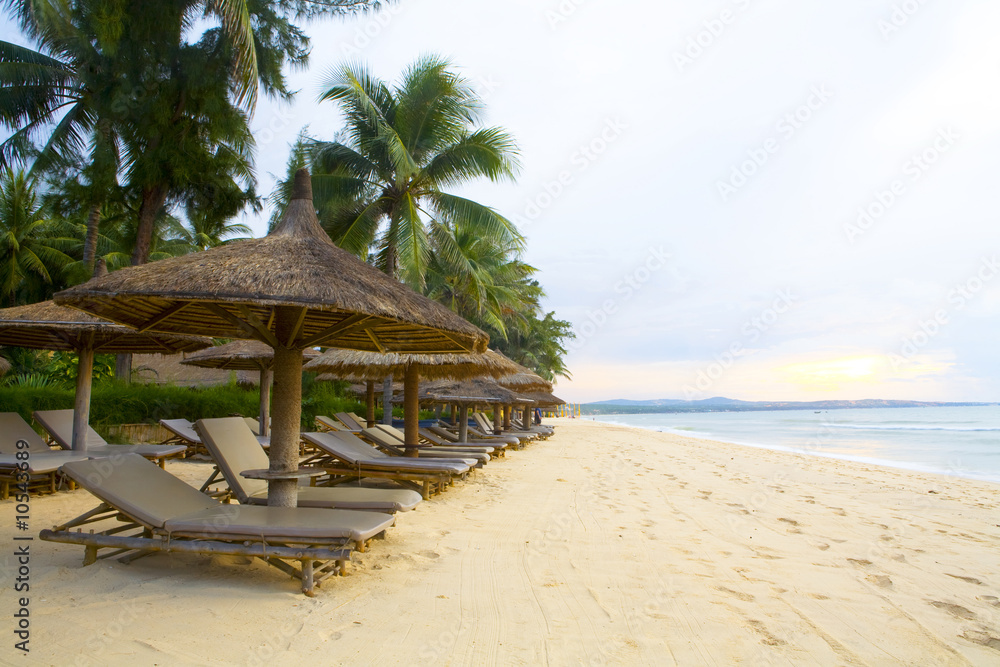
[971, 580]
[990, 599]
[768, 638]
[880, 580]
[839, 511]
[982, 638]
[791, 521]
[746, 597]
[955, 610]
[860, 562]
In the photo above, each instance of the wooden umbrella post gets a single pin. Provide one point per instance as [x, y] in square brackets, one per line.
[264, 413]
[463, 424]
[387, 400]
[506, 417]
[81, 406]
[370, 404]
[411, 410]
[287, 411]
[497, 428]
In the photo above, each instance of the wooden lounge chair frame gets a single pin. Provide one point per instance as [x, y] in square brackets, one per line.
[427, 483]
[213, 430]
[315, 563]
[52, 422]
[310, 559]
[13, 428]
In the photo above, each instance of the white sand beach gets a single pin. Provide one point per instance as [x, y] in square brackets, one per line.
[602, 545]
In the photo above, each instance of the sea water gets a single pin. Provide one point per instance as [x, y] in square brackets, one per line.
[961, 441]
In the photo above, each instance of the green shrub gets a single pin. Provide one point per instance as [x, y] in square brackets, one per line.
[114, 403]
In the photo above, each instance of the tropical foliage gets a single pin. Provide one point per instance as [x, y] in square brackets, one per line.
[128, 139]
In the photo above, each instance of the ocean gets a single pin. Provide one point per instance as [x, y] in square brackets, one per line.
[960, 441]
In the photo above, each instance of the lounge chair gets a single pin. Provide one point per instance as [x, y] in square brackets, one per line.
[481, 425]
[346, 457]
[182, 432]
[452, 437]
[536, 431]
[165, 514]
[59, 425]
[353, 425]
[235, 449]
[328, 424]
[43, 462]
[436, 444]
[394, 446]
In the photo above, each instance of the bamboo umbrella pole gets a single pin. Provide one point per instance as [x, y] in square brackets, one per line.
[370, 404]
[81, 404]
[387, 400]
[411, 409]
[463, 424]
[264, 413]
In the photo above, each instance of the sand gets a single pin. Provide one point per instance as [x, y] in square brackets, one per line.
[603, 545]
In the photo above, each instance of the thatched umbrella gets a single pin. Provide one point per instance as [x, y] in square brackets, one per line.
[245, 355]
[524, 380]
[465, 393]
[46, 326]
[543, 399]
[293, 289]
[412, 367]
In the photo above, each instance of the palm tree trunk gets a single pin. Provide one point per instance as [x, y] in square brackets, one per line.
[152, 201]
[90, 242]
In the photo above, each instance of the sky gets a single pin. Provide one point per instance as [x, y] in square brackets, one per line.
[759, 199]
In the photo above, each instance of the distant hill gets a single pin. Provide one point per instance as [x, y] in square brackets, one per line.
[722, 404]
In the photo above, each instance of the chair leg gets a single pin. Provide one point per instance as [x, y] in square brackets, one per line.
[307, 577]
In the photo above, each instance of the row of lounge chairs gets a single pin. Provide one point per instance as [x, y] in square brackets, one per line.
[42, 463]
[155, 511]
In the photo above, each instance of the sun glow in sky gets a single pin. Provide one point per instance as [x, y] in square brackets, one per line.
[830, 375]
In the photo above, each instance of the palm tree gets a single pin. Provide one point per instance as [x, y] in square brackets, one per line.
[118, 84]
[59, 91]
[479, 279]
[380, 187]
[31, 257]
[539, 345]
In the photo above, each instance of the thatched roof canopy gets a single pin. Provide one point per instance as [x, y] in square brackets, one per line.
[464, 392]
[239, 355]
[295, 273]
[543, 398]
[525, 381]
[47, 326]
[373, 366]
